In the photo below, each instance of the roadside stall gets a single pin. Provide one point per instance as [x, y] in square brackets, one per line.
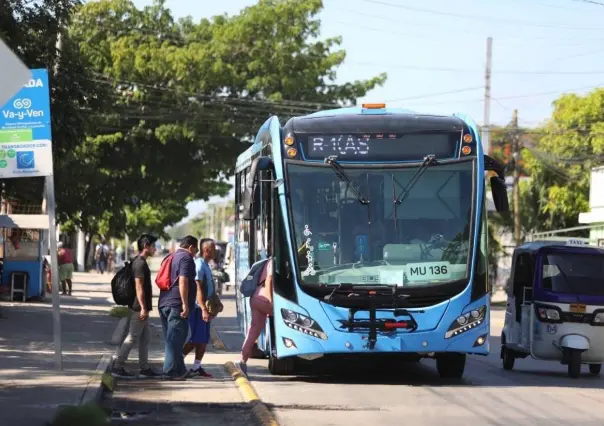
[23, 272]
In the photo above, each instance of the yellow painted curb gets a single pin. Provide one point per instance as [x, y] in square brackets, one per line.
[216, 340]
[259, 408]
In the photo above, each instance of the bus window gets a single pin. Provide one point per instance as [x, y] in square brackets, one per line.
[284, 282]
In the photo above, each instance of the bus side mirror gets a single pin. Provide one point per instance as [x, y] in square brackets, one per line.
[500, 194]
[251, 196]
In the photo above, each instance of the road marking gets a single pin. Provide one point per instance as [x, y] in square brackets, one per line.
[259, 408]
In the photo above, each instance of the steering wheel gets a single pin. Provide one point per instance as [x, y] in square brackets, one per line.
[436, 241]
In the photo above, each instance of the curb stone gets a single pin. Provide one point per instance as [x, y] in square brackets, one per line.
[263, 415]
[121, 330]
[217, 342]
[94, 388]
[101, 378]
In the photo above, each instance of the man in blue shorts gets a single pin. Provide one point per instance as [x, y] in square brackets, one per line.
[199, 320]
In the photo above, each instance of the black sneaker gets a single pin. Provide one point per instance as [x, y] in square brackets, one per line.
[149, 373]
[122, 373]
[199, 371]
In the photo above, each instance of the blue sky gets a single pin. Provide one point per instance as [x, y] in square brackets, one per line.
[434, 51]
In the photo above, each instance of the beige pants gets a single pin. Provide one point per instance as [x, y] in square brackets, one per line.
[138, 333]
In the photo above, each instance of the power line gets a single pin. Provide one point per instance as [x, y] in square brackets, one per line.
[438, 38]
[590, 2]
[439, 35]
[469, 70]
[547, 5]
[483, 18]
[466, 89]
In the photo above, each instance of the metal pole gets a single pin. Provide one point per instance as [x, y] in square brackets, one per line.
[486, 137]
[3, 230]
[56, 310]
[52, 245]
[516, 185]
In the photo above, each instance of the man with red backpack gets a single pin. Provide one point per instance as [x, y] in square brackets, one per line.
[176, 300]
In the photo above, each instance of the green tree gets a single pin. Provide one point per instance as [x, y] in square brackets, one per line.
[184, 95]
[31, 30]
[572, 143]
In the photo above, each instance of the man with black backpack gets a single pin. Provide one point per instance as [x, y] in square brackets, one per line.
[140, 306]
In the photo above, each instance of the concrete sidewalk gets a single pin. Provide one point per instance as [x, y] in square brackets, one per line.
[197, 401]
[30, 388]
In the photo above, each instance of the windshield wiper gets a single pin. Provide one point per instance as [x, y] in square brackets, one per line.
[339, 171]
[429, 160]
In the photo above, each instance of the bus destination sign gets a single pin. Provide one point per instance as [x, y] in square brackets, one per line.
[382, 147]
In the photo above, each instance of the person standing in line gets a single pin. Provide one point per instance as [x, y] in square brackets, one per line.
[175, 305]
[200, 318]
[139, 313]
[65, 260]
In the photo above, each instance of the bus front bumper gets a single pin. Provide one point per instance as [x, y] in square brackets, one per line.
[474, 341]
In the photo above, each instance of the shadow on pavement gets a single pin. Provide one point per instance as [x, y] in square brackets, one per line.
[30, 387]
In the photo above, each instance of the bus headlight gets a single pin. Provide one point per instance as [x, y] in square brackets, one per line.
[302, 323]
[467, 322]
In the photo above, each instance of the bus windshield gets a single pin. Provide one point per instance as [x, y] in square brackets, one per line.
[422, 239]
[574, 273]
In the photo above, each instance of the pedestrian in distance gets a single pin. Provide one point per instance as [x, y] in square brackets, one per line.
[101, 254]
[175, 305]
[142, 304]
[65, 261]
[200, 318]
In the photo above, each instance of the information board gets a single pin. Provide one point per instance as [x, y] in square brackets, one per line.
[25, 131]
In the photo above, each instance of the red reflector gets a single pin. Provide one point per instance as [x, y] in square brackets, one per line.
[401, 324]
[372, 292]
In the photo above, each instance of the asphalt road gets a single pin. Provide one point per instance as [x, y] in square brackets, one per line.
[534, 393]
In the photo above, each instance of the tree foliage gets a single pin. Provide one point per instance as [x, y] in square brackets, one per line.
[181, 96]
[572, 144]
[31, 30]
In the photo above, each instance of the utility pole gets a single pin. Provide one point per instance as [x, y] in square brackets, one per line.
[516, 182]
[207, 219]
[213, 222]
[486, 137]
[223, 219]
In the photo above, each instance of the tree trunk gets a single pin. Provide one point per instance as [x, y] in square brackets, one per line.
[87, 254]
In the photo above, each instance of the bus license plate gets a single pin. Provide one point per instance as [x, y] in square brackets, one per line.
[428, 271]
[578, 308]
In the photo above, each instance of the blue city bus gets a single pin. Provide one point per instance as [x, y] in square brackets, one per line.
[376, 220]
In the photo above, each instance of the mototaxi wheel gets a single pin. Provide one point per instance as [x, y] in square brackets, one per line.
[574, 364]
[595, 369]
[451, 365]
[508, 359]
[507, 356]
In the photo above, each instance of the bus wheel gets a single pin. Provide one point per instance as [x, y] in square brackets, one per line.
[574, 364]
[281, 367]
[451, 365]
[595, 369]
